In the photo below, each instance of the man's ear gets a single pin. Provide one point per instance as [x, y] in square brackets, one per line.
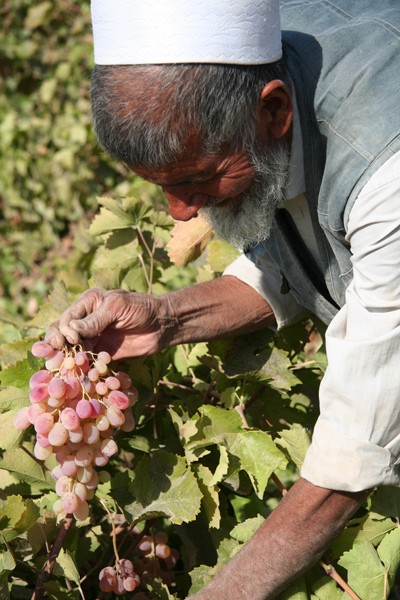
[275, 111]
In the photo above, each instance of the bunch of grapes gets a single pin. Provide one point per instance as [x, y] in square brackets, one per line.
[119, 579]
[156, 557]
[77, 403]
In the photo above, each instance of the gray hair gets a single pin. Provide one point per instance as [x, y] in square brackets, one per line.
[143, 114]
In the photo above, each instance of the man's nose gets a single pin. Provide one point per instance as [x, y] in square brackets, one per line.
[183, 206]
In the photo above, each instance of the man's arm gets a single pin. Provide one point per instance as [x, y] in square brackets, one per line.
[288, 543]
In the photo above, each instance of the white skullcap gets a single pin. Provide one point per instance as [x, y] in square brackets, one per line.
[239, 32]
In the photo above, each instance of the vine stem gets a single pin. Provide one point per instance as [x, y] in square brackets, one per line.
[52, 558]
[327, 566]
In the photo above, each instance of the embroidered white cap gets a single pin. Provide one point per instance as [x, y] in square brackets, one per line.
[186, 31]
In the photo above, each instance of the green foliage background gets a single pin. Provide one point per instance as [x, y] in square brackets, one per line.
[192, 467]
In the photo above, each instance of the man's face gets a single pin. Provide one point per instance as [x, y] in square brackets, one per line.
[238, 192]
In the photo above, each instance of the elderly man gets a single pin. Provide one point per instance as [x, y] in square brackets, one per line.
[293, 152]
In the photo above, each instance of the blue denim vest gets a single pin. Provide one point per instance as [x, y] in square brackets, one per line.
[344, 60]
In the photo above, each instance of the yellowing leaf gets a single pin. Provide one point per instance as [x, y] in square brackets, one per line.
[189, 240]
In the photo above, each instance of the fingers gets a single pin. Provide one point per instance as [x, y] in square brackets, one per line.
[84, 318]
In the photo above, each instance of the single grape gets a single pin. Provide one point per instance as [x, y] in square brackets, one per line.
[57, 473]
[161, 537]
[93, 374]
[44, 423]
[101, 367]
[69, 467]
[70, 502]
[34, 410]
[42, 350]
[42, 440]
[75, 435]
[39, 393]
[58, 435]
[104, 477]
[58, 506]
[102, 423]
[126, 567]
[130, 584]
[132, 394]
[115, 416]
[70, 419]
[73, 387]
[119, 399]
[84, 409]
[108, 447]
[125, 380]
[21, 420]
[42, 453]
[108, 578]
[119, 588]
[69, 363]
[82, 511]
[145, 545]
[104, 357]
[90, 433]
[63, 485]
[82, 361]
[56, 388]
[97, 408]
[162, 550]
[99, 459]
[130, 423]
[101, 388]
[42, 376]
[113, 383]
[84, 474]
[55, 362]
[93, 481]
[55, 402]
[84, 456]
[172, 559]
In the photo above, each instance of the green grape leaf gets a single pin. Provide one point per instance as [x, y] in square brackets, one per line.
[296, 441]
[7, 563]
[106, 222]
[18, 375]
[66, 566]
[258, 456]
[210, 500]
[26, 469]
[13, 352]
[12, 398]
[296, 591]
[386, 501]
[223, 466]
[163, 485]
[389, 553]
[243, 532]
[326, 589]
[11, 511]
[220, 255]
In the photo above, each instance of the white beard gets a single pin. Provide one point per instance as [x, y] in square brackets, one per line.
[249, 218]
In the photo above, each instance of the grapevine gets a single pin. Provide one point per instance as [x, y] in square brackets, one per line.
[77, 403]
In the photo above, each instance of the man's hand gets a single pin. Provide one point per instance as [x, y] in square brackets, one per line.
[128, 324]
[124, 324]
[288, 543]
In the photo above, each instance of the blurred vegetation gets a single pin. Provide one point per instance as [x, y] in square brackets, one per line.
[51, 168]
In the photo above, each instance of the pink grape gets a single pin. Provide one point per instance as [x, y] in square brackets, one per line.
[34, 410]
[118, 587]
[113, 383]
[62, 453]
[69, 466]
[108, 578]
[55, 402]
[90, 433]
[42, 350]
[84, 474]
[82, 361]
[42, 453]
[56, 387]
[102, 423]
[96, 407]
[56, 473]
[58, 507]
[101, 367]
[162, 550]
[42, 376]
[101, 388]
[115, 416]
[129, 424]
[99, 459]
[145, 545]
[84, 409]
[76, 435]
[39, 393]
[104, 357]
[42, 440]
[70, 502]
[130, 584]
[69, 363]
[119, 399]
[132, 395]
[93, 481]
[55, 362]
[72, 387]
[82, 511]
[81, 491]
[125, 380]
[58, 435]
[44, 423]
[93, 374]
[63, 485]
[161, 537]
[108, 448]
[84, 456]
[70, 419]
[21, 420]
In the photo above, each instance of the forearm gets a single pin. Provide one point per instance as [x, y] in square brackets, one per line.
[212, 310]
[290, 541]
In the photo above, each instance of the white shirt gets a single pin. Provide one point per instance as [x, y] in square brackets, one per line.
[356, 441]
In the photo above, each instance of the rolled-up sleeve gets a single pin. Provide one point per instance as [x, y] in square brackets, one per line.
[356, 441]
[266, 279]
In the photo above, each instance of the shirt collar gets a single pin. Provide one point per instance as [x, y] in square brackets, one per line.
[296, 184]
